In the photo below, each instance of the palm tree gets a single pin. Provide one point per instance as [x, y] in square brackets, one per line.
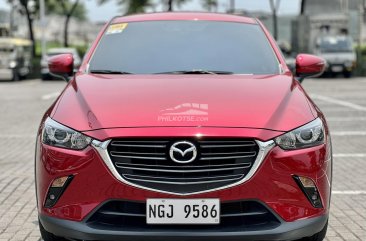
[68, 9]
[170, 4]
[132, 6]
[29, 13]
[210, 5]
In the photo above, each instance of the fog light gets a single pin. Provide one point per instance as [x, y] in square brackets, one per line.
[310, 190]
[58, 187]
[59, 182]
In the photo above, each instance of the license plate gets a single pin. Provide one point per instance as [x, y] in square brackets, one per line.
[337, 68]
[183, 211]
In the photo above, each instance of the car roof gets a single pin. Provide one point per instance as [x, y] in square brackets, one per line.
[171, 16]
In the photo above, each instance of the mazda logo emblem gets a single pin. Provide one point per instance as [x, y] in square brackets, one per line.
[183, 152]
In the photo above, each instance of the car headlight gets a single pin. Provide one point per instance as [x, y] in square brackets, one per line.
[13, 64]
[55, 134]
[309, 135]
[348, 64]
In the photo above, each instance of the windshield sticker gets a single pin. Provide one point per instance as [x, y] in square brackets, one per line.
[116, 28]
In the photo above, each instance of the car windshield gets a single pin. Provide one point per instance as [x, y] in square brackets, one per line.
[191, 47]
[334, 44]
[6, 50]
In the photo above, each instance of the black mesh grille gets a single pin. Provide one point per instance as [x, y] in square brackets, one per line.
[238, 215]
[219, 162]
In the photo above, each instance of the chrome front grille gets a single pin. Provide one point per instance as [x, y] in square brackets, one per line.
[147, 163]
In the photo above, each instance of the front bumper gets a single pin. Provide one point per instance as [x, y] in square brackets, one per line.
[285, 232]
[94, 183]
[45, 71]
[339, 68]
[272, 184]
[6, 74]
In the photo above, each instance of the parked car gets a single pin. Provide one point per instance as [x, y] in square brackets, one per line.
[15, 58]
[45, 73]
[339, 53]
[184, 126]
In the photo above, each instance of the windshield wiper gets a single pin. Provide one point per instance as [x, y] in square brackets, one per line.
[197, 71]
[108, 72]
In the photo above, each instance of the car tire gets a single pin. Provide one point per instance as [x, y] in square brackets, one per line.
[46, 236]
[319, 236]
[44, 77]
[347, 74]
[16, 76]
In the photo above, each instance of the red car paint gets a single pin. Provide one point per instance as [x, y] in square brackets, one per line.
[94, 183]
[259, 107]
[308, 64]
[63, 63]
[234, 103]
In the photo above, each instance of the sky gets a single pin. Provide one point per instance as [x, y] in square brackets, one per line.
[107, 11]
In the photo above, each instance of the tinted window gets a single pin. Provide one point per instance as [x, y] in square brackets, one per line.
[165, 46]
[6, 50]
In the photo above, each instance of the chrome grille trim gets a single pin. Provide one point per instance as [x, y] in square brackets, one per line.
[114, 142]
[183, 167]
[185, 183]
[140, 157]
[227, 157]
[183, 171]
[227, 153]
[136, 153]
[225, 146]
[145, 146]
[193, 178]
[264, 149]
[252, 143]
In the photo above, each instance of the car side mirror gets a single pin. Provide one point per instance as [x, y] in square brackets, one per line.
[309, 66]
[61, 66]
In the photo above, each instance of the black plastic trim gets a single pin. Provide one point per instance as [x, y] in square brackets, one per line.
[287, 231]
[50, 203]
[303, 189]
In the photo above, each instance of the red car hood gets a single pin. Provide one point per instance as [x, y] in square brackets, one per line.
[275, 102]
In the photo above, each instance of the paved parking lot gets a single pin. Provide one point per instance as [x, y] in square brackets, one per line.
[23, 103]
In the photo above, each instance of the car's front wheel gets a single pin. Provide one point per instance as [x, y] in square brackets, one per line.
[46, 236]
[347, 74]
[319, 236]
[16, 76]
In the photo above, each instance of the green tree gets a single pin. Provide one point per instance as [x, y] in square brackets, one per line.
[28, 9]
[56, 7]
[132, 6]
[69, 9]
[210, 5]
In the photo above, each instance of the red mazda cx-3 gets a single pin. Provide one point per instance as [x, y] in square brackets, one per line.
[184, 126]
